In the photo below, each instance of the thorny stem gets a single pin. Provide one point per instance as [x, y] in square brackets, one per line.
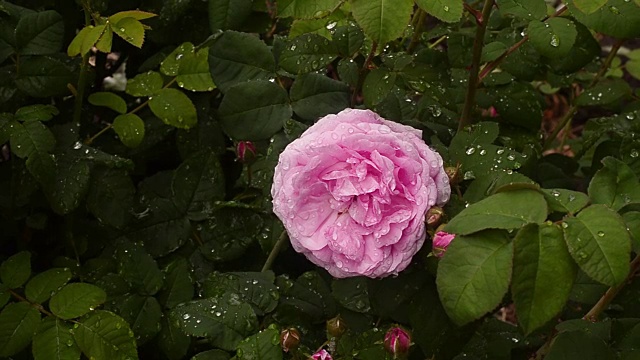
[611, 293]
[494, 64]
[363, 72]
[282, 240]
[35, 305]
[478, 43]
[84, 73]
[574, 108]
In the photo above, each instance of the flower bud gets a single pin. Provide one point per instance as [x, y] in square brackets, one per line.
[453, 173]
[441, 241]
[321, 355]
[434, 217]
[397, 342]
[246, 151]
[289, 339]
[336, 326]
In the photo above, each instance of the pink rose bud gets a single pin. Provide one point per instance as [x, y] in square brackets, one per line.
[440, 242]
[246, 151]
[434, 217]
[321, 355]
[336, 326]
[289, 339]
[397, 342]
[353, 191]
[493, 112]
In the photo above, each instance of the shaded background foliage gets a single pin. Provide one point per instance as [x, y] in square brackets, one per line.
[131, 228]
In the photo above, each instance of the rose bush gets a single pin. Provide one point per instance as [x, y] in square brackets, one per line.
[353, 191]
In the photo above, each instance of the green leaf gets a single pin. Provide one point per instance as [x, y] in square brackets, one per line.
[584, 50]
[632, 219]
[382, 20]
[101, 34]
[493, 50]
[263, 345]
[197, 184]
[130, 129]
[543, 274]
[143, 314]
[138, 268]
[162, 227]
[173, 343]
[526, 9]
[348, 39]
[445, 10]
[589, 6]
[43, 76]
[224, 321]
[76, 46]
[604, 92]
[473, 149]
[16, 270]
[39, 33]
[614, 185]
[131, 30]
[505, 210]
[18, 323]
[633, 68]
[565, 201]
[212, 355]
[171, 64]
[377, 85]
[54, 341]
[145, 84]
[105, 336]
[474, 274]
[36, 112]
[599, 242]
[76, 299]
[72, 176]
[618, 18]
[194, 72]
[110, 196]
[31, 137]
[307, 53]
[257, 119]
[578, 345]
[308, 298]
[554, 37]
[136, 14]
[43, 168]
[237, 57]
[314, 96]
[352, 293]
[306, 9]
[108, 99]
[174, 108]
[228, 14]
[178, 285]
[255, 288]
[41, 286]
[227, 233]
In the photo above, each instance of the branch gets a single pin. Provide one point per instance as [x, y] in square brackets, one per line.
[478, 43]
[282, 240]
[363, 71]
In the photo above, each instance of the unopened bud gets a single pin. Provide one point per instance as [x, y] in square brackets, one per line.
[441, 241]
[246, 151]
[289, 339]
[397, 342]
[336, 326]
[434, 217]
[453, 173]
[321, 355]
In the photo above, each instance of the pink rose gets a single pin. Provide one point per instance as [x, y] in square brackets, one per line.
[440, 242]
[353, 191]
[321, 355]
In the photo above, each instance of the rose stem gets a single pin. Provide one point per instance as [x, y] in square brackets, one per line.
[478, 43]
[282, 240]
